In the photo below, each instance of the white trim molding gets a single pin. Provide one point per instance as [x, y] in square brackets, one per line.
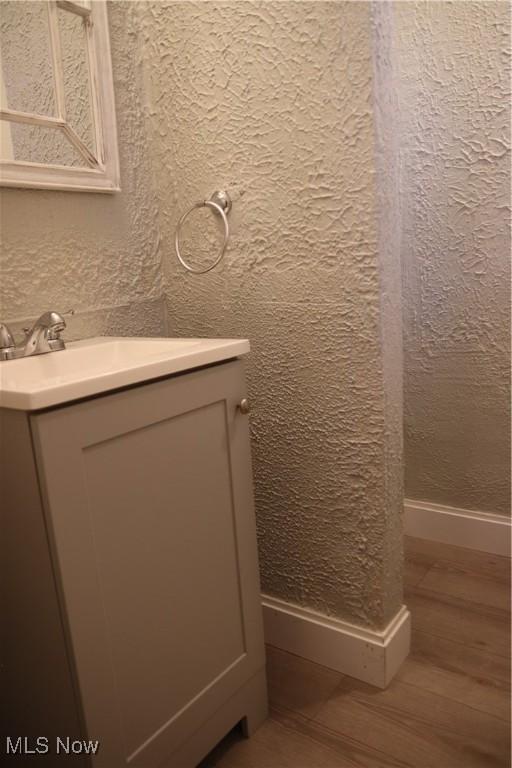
[461, 527]
[371, 655]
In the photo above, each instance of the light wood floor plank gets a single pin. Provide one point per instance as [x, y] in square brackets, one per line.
[474, 624]
[414, 571]
[298, 684]
[463, 582]
[417, 727]
[451, 669]
[496, 566]
[355, 752]
[278, 745]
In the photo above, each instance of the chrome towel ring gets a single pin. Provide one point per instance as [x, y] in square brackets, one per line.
[220, 202]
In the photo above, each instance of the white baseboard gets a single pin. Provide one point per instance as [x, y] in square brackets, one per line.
[461, 527]
[370, 655]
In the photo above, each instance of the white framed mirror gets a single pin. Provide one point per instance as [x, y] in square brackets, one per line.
[57, 110]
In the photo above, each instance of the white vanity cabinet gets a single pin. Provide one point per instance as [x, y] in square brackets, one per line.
[130, 541]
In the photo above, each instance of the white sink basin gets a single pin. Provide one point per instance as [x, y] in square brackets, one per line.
[97, 365]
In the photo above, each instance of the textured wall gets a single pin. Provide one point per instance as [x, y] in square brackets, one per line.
[275, 102]
[96, 253]
[455, 135]
[386, 160]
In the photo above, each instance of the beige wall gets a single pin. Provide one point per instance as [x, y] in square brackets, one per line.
[98, 254]
[276, 102]
[282, 104]
[455, 184]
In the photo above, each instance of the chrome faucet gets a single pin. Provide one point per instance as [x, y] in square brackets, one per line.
[44, 336]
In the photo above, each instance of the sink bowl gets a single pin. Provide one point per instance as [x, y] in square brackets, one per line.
[98, 365]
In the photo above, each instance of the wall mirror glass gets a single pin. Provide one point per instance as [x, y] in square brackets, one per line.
[57, 116]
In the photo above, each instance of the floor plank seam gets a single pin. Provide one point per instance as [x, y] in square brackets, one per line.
[481, 648]
[452, 701]
[448, 600]
[333, 734]
[456, 642]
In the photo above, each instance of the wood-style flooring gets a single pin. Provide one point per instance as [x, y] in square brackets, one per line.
[448, 707]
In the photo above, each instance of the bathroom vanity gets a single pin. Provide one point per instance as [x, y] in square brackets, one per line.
[131, 609]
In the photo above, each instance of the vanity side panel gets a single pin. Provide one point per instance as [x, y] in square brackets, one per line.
[148, 493]
[38, 698]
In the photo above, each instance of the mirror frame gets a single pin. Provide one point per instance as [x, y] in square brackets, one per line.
[102, 173]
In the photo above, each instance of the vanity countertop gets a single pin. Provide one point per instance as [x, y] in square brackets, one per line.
[93, 366]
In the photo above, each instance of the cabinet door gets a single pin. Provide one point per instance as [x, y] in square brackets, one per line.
[148, 495]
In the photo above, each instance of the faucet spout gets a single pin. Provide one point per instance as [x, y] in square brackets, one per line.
[41, 338]
[44, 335]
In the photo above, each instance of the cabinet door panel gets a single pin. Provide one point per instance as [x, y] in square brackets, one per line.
[149, 501]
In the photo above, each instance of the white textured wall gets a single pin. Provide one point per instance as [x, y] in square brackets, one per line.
[288, 106]
[275, 102]
[96, 253]
[455, 183]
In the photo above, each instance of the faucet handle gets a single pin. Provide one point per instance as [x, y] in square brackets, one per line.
[6, 337]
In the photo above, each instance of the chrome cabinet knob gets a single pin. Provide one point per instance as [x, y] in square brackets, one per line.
[244, 405]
